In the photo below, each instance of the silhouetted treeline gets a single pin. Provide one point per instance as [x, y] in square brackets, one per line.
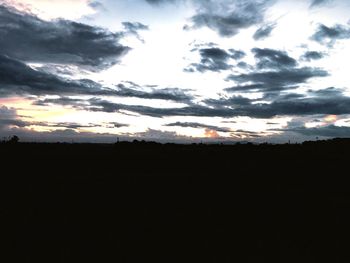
[149, 202]
[164, 158]
[10, 140]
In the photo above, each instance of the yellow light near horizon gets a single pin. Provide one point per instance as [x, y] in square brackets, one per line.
[26, 110]
[331, 118]
[15, 102]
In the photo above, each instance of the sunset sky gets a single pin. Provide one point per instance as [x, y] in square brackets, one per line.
[174, 70]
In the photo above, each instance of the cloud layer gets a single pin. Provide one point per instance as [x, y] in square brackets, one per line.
[51, 9]
[28, 38]
[16, 78]
[234, 63]
[227, 18]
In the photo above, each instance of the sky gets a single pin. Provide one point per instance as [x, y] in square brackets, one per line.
[174, 70]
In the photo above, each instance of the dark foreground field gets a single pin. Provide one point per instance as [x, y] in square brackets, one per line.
[145, 202]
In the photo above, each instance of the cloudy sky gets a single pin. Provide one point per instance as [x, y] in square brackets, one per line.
[175, 70]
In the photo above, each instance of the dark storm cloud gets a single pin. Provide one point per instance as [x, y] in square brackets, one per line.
[236, 54]
[172, 94]
[329, 35]
[8, 117]
[270, 58]
[271, 96]
[18, 78]
[227, 18]
[328, 101]
[67, 125]
[215, 59]
[268, 81]
[247, 134]
[76, 126]
[275, 71]
[11, 122]
[244, 65]
[198, 126]
[312, 55]
[316, 3]
[328, 92]
[232, 101]
[212, 59]
[193, 110]
[7, 113]
[133, 28]
[283, 105]
[323, 131]
[97, 104]
[58, 69]
[214, 53]
[299, 107]
[28, 38]
[64, 101]
[264, 31]
[245, 88]
[131, 91]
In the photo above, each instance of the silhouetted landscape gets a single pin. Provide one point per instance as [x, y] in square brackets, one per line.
[149, 202]
[156, 131]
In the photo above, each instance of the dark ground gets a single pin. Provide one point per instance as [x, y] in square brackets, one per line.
[145, 202]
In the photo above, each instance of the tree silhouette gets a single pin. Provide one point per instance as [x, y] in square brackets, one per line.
[14, 139]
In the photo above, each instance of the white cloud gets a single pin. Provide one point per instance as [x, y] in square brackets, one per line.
[51, 9]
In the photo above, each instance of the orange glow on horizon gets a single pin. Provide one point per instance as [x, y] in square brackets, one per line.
[211, 133]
